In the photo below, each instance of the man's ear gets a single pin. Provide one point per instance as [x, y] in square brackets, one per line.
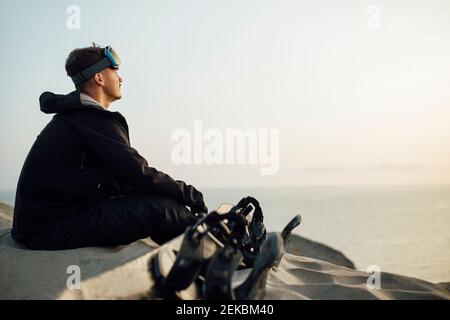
[98, 78]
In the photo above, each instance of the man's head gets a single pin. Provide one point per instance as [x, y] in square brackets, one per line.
[105, 83]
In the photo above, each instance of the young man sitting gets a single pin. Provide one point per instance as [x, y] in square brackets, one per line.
[82, 184]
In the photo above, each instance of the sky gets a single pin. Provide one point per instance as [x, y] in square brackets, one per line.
[357, 90]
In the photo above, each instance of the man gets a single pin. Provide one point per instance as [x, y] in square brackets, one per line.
[82, 184]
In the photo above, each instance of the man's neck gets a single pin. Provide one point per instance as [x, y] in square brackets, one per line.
[100, 98]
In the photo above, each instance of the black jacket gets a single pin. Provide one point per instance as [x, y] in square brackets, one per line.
[81, 156]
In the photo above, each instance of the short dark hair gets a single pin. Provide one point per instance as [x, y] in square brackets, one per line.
[81, 58]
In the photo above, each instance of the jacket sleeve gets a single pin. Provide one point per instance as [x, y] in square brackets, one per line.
[109, 141]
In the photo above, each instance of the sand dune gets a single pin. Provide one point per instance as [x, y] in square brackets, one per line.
[309, 270]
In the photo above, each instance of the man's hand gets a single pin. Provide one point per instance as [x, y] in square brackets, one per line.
[193, 198]
[201, 208]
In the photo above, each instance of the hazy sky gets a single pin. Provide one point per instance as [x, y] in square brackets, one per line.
[359, 90]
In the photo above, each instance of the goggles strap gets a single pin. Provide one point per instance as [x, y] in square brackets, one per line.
[90, 71]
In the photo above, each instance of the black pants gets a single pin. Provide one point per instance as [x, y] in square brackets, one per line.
[116, 221]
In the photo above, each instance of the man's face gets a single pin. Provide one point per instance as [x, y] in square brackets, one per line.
[112, 83]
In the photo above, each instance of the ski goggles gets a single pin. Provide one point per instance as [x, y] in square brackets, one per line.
[111, 60]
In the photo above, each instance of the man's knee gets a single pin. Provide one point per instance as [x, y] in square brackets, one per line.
[174, 220]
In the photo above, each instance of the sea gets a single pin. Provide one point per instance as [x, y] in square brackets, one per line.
[398, 229]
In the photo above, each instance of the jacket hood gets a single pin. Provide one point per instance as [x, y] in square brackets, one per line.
[61, 103]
